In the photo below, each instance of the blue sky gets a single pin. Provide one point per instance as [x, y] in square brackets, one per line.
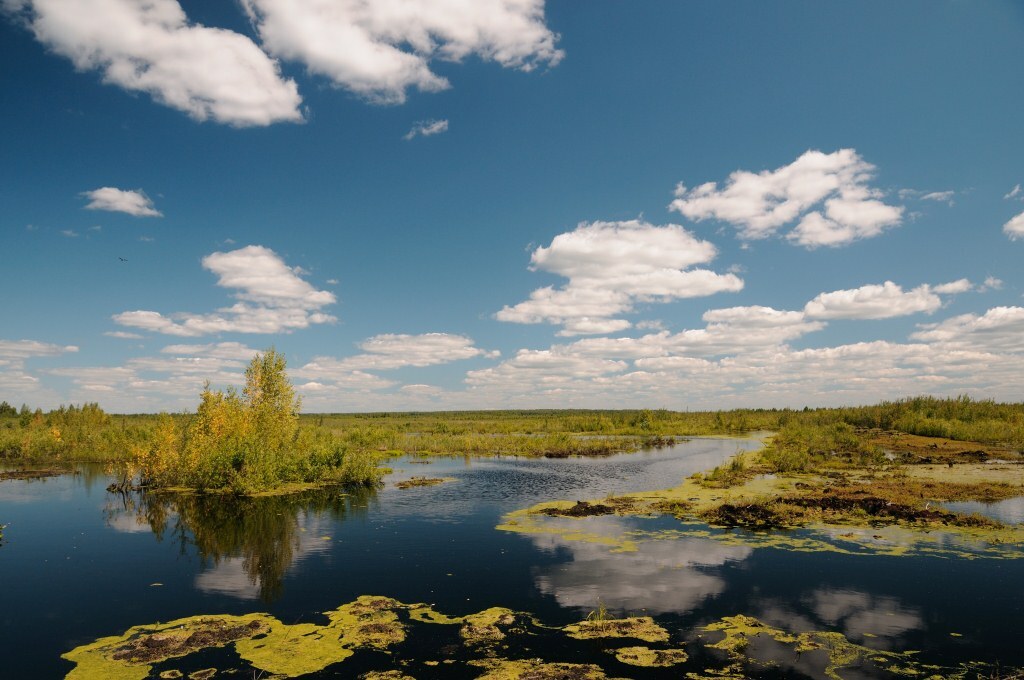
[469, 204]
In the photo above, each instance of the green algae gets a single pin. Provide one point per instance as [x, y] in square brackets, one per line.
[130, 656]
[536, 669]
[773, 504]
[638, 627]
[422, 481]
[650, 658]
[382, 623]
[489, 626]
[839, 653]
[293, 650]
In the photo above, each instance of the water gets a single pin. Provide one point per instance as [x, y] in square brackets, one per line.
[78, 563]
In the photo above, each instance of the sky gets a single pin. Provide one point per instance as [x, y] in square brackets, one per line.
[455, 204]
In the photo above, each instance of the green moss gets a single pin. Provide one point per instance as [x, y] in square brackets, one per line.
[422, 481]
[293, 650]
[535, 669]
[487, 626]
[737, 632]
[129, 656]
[651, 658]
[638, 627]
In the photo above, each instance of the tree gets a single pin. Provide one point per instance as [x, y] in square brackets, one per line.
[270, 400]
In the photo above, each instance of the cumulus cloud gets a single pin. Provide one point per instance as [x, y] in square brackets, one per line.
[426, 128]
[380, 50]
[25, 349]
[883, 301]
[133, 202]
[209, 73]
[1015, 227]
[1000, 329]
[611, 266]
[393, 351]
[958, 286]
[825, 195]
[272, 298]
[219, 350]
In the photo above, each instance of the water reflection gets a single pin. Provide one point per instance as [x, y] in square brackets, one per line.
[247, 545]
[876, 621]
[660, 576]
[1009, 511]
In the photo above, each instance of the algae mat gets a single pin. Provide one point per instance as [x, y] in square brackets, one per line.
[496, 643]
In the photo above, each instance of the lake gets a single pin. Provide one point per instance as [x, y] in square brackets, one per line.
[78, 563]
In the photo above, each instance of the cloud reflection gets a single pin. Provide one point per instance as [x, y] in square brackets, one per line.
[661, 576]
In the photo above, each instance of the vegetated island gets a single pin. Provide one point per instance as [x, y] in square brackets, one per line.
[874, 479]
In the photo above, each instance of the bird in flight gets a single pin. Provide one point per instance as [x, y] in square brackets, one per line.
[122, 259]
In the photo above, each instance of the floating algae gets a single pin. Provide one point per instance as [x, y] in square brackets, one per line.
[866, 512]
[739, 632]
[293, 650]
[488, 626]
[638, 627]
[381, 623]
[536, 669]
[422, 481]
[129, 656]
[650, 658]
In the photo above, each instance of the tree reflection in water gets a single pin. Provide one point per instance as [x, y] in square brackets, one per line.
[265, 533]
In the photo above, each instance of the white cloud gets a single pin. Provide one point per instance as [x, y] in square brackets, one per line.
[25, 349]
[272, 299]
[426, 128]
[1000, 329]
[958, 286]
[124, 335]
[70, 233]
[761, 204]
[220, 350]
[940, 196]
[133, 202]
[611, 266]
[1015, 227]
[879, 301]
[991, 283]
[380, 50]
[393, 351]
[151, 47]
[1013, 193]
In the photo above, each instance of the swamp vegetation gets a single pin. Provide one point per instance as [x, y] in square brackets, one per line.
[593, 573]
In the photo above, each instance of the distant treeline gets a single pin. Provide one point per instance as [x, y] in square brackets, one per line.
[239, 436]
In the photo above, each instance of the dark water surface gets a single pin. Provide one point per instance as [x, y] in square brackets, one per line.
[78, 563]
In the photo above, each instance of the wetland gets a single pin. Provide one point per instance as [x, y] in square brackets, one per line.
[840, 544]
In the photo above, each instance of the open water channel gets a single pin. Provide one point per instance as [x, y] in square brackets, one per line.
[78, 563]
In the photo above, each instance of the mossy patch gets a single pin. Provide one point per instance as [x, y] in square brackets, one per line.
[831, 508]
[581, 509]
[422, 481]
[651, 658]
[638, 627]
[130, 656]
[536, 669]
[488, 626]
[838, 653]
